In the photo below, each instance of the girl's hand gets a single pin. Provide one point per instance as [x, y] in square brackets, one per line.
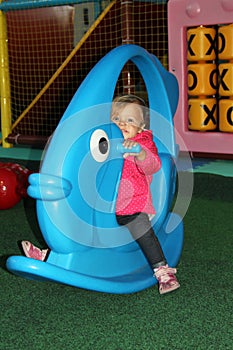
[130, 144]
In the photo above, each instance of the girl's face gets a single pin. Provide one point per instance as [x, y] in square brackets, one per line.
[129, 119]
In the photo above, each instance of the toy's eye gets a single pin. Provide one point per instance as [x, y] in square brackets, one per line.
[99, 145]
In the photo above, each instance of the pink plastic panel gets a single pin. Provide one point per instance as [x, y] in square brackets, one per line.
[181, 15]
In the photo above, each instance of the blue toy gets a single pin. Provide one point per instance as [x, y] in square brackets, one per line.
[76, 187]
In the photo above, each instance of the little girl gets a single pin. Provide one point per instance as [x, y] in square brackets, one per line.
[134, 201]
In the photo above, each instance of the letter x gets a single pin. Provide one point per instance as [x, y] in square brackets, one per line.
[221, 77]
[212, 44]
[192, 36]
[210, 114]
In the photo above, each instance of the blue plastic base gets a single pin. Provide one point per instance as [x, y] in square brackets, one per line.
[134, 281]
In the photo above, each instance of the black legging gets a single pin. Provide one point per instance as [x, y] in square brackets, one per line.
[140, 228]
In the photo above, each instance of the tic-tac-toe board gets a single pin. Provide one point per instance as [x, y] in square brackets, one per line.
[200, 36]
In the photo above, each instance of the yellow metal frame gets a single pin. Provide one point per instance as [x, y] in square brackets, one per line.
[4, 82]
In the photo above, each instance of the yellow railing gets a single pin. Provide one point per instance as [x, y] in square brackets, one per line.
[4, 82]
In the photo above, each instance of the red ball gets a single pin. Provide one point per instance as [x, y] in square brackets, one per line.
[9, 195]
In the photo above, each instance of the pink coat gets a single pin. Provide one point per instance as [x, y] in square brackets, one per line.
[134, 194]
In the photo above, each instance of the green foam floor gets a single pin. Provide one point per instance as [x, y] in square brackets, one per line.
[217, 167]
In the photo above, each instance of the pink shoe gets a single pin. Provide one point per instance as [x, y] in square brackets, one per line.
[167, 280]
[33, 252]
